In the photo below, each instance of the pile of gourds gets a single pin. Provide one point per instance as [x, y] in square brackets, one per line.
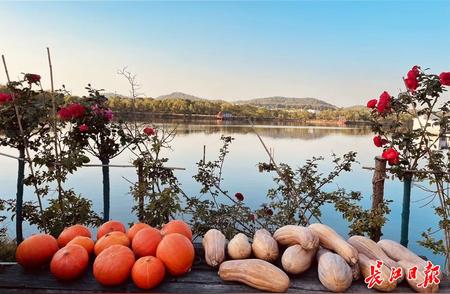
[339, 261]
[143, 252]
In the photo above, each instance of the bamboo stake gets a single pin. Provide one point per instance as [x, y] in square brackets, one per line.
[25, 144]
[55, 135]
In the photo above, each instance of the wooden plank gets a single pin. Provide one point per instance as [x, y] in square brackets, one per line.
[202, 279]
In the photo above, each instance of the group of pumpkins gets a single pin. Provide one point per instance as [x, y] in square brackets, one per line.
[295, 248]
[152, 252]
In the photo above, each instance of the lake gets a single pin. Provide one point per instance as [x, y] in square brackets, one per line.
[291, 144]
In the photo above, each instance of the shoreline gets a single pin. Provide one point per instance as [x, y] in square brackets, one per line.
[212, 118]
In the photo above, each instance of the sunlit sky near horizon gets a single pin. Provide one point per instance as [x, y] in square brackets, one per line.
[344, 52]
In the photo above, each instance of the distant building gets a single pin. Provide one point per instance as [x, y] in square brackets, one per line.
[222, 115]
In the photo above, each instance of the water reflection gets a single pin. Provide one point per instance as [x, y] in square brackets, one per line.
[271, 131]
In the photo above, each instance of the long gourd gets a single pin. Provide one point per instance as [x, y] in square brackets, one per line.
[365, 264]
[331, 240]
[290, 235]
[255, 273]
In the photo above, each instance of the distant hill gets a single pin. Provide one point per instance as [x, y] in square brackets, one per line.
[288, 102]
[179, 95]
[275, 102]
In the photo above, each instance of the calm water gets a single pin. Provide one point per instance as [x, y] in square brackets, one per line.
[292, 144]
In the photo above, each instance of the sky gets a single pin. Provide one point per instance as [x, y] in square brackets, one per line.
[344, 52]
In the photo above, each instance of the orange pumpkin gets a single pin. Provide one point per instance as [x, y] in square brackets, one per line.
[113, 238]
[136, 228]
[113, 265]
[177, 253]
[86, 242]
[146, 241]
[177, 226]
[148, 272]
[110, 226]
[36, 251]
[71, 232]
[69, 262]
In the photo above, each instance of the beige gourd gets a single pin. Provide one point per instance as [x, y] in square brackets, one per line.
[334, 272]
[365, 263]
[214, 243]
[370, 249]
[255, 273]
[397, 252]
[331, 240]
[264, 246]
[295, 260]
[239, 247]
[291, 235]
[420, 277]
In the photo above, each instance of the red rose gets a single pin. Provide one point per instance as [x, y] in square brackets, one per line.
[411, 81]
[77, 110]
[32, 78]
[372, 103]
[445, 78]
[83, 128]
[384, 104]
[414, 72]
[64, 113]
[411, 84]
[391, 155]
[239, 196]
[379, 142]
[5, 97]
[149, 131]
[268, 211]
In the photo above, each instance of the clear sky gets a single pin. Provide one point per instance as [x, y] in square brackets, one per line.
[343, 52]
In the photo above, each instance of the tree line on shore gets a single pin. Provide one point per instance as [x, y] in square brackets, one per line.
[212, 107]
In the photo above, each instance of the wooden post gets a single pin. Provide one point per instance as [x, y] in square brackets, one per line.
[19, 194]
[407, 181]
[379, 176]
[106, 189]
[141, 187]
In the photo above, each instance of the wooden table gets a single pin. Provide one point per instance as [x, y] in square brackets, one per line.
[202, 279]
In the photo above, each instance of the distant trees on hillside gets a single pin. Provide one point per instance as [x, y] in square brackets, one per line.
[209, 107]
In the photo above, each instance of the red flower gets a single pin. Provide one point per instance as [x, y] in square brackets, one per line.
[414, 72]
[379, 142]
[74, 110]
[149, 131]
[83, 128]
[252, 217]
[411, 84]
[411, 81]
[391, 155]
[77, 110]
[64, 113]
[32, 78]
[5, 97]
[268, 211]
[372, 103]
[239, 196]
[384, 104]
[445, 78]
